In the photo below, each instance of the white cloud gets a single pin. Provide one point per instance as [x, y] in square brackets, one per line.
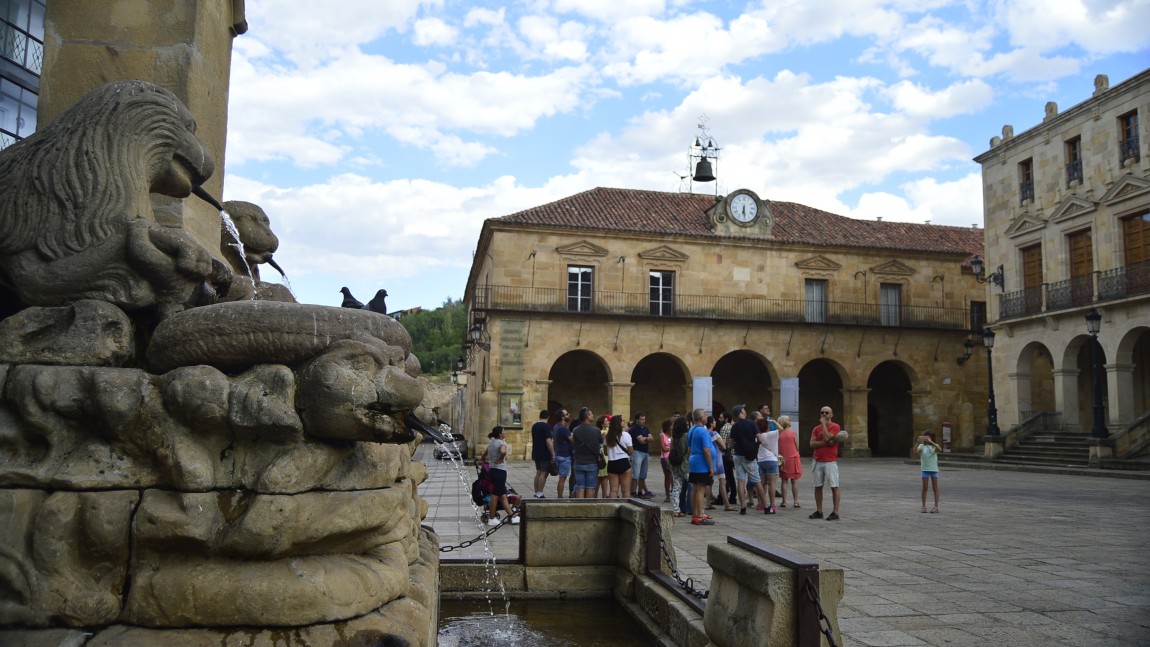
[960, 98]
[545, 35]
[1097, 26]
[957, 203]
[433, 31]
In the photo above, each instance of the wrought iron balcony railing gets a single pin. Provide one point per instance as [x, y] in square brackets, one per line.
[1074, 172]
[1118, 283]
[1026, 191]
[1128, 149]
[691, 306]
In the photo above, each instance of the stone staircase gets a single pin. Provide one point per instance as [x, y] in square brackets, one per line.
[1052, 449]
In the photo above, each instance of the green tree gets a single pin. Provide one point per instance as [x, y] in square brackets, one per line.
[437, 335]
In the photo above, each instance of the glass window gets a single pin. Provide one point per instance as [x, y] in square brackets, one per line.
[1074, 160]
[579, 288]
[1128, 137]
[977, 316]
[1026, 180]
[1136, 238]
[662, 293]
[816, 291]
[890, 302]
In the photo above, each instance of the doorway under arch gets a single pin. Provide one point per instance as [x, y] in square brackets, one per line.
[890, 411]
[579, 378]
[741, 377]
[1082, 361]
[659, 387]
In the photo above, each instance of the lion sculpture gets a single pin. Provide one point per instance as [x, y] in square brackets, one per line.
[76, 221]
[259, 243]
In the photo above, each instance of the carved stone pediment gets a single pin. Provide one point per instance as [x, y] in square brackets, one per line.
[582, 248]
[893, 267]
[1072, 207]
[1126, 187]
[818, 263]
[663, 254]
[1025, 223]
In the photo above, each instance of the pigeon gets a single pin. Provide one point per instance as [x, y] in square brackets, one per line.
[377, 303]
[349, 301]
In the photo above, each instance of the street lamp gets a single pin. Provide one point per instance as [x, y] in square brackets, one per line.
[991, 410]
[997, 278]
[967, 349]
[1093, 325]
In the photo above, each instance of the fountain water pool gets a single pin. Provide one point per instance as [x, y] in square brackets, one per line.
[555, 623]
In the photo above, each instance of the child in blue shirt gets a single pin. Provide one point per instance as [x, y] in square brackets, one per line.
[927, 452]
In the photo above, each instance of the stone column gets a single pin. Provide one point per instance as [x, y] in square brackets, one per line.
[1120, 391]
[619, 394]
[182, 45]
[1020, 382]
[854, 419]
[1066, 397]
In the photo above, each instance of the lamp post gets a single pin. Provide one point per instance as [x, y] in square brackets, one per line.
[998, 277]
[991, 410]
[1093, 325]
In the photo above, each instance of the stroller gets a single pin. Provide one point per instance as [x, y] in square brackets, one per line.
[482, 488]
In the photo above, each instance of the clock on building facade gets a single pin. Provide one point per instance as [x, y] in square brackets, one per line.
[741, 213]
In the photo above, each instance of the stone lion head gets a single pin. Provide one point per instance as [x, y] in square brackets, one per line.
[74, 188]
[255, 231]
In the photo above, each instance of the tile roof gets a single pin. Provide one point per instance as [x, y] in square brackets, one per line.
[658, 212]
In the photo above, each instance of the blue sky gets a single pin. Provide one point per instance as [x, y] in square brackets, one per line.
[378, 136]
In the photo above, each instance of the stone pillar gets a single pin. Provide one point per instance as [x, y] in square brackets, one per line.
[1066, 397]
[182, 45]
[1120, 389]
[619, 394]
[854, 418]
[1020, 382]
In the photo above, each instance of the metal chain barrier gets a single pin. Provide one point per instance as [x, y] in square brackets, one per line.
[824, 621]
[486, 533]
[688, 584]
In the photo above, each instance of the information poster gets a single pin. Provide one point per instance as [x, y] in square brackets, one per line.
[702, 393]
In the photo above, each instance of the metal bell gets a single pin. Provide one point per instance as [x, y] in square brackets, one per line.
[703, 172]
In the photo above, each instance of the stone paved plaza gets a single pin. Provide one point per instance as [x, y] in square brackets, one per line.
[1013, 559]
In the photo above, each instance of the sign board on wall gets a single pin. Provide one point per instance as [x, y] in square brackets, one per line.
[701, 393]
[789, 396]
[512, 348]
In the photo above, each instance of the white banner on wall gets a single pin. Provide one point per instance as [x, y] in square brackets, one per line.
[701, 393]
[789, 396]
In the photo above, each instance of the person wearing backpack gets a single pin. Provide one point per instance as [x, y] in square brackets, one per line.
[744, 434]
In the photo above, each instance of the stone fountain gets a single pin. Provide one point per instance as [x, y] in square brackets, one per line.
[183, 462]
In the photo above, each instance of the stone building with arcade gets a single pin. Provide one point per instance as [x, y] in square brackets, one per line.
[1067, 210]
[626, 300]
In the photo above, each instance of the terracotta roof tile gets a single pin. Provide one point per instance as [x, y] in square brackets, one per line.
[657, 212]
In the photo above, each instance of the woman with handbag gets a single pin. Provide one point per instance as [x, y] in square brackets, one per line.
[619, 448]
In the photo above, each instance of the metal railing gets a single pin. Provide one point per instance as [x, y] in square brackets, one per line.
[1026, 191]
[1074, 172]
[1072, 292]
[1118, 283]
[1128, 149]
[693, 306]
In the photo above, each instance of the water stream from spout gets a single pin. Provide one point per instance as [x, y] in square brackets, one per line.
[230, 227]
[491, 567]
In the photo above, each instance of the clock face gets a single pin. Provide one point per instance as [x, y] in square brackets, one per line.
[743, 208]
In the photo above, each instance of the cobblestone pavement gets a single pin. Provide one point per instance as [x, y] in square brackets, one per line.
[1013, 559]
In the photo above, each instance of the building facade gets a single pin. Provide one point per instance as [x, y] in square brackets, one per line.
[632, 301]
[1067, 212]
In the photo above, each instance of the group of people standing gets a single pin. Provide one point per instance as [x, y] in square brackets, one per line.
[748, 453]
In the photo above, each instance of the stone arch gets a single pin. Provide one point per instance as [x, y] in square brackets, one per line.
[821, 381]
[1132, 378]
[1034, 380]
[1078, 356]
[579, 378]
[743, 377]
[660, 386]
[890, 408]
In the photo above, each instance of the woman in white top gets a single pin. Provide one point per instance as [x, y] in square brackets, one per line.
[768, 460]
[619, 447]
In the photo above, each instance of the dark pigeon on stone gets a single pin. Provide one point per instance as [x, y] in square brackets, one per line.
[377, 303]
[350, 301]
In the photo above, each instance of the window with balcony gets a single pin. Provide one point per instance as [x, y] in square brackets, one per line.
[1032, 278]
[1026, 180]
[1128, 137]
[1079, 288]
[816, 293]
[977, 316]
[579, 282]
[890, 303]
[1074, 161]
[1136, 252]
[662, 294]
